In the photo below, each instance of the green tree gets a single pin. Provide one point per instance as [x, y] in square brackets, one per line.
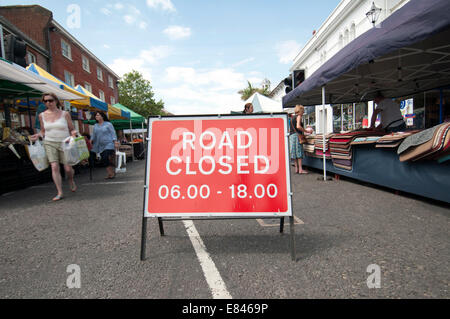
[136, 93]
[250, 90]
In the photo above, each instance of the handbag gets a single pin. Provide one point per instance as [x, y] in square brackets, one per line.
[302, 139]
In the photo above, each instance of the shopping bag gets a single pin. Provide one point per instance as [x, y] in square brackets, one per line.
[71, 152]
[121, 162]
[38, 156]
[83, 150]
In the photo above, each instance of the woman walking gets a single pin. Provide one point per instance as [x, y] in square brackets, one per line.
[56, 125]
[296, 129]
[104, 139]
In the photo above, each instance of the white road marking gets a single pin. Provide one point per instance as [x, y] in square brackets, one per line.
[113, 183]
[212, 275]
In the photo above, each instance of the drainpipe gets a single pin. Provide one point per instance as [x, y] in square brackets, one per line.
[49, 61]
[2, 43]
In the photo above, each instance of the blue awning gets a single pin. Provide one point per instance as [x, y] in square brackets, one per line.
[406, 54]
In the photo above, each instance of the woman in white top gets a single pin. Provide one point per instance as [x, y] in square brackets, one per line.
[56, 126]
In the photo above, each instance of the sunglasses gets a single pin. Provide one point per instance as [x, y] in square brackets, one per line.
[49, 101]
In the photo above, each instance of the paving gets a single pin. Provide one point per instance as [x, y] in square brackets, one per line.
[342, 228]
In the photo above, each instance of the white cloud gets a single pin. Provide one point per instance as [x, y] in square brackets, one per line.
[143, 25]
[106, 46]
[245, 61]
[105, 11]
[176, 32]
[153, 55]
[133, 10]
[123, 65]
[287, 51]
[165, 5]
[129, 19]
[118, 6]
[216, 79]
[141, 62]
[187, 90]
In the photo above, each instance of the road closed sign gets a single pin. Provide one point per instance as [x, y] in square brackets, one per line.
[218, 166]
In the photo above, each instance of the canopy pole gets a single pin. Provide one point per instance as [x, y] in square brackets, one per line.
[29, 112]
[441, 106]
[323, 135]
[131, 142]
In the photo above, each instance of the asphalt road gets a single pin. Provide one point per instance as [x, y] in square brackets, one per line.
[343, 228]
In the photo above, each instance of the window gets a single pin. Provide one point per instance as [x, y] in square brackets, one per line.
[99, 74]
[85, 62]
[31, 58]
[101, 95]
[353, 32]
[69, 79]
[113, 100]
[65, 48]
[88, 86]
[110, 82]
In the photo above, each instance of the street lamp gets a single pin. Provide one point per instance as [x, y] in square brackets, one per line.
[373, 14]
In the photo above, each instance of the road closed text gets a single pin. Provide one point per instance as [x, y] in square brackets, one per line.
[207, 165]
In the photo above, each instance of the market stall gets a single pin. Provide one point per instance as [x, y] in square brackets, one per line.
[407, 54]
[17, 88]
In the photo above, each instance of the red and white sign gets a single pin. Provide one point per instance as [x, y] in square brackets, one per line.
[218, 166]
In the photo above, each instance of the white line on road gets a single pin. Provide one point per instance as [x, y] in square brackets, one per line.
[114, 183]
[212, 275]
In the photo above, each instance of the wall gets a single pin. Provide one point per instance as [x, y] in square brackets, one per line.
[31, 20]
[75, 66]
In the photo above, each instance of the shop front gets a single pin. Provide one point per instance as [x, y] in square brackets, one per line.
[405, 58]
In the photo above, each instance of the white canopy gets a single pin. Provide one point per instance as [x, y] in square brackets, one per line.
[264, 104]
[15, 73]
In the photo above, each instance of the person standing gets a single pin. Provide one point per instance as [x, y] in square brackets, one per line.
[55, 126]
[391, 117]
[296, 149]
[248, 108]
[104, 140]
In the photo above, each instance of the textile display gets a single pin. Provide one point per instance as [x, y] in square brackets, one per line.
[417, 139]
[341, 146]
[394, 140]
[423, 146]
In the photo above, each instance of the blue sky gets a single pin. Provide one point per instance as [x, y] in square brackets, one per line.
[196, 53]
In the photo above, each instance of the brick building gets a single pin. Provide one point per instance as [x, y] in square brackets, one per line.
[54, 49]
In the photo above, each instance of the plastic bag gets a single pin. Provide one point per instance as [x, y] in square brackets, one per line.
[71, 152]
[38, 156]
[83, 150]
[121, 162]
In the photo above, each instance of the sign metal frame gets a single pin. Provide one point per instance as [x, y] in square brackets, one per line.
[218, 215]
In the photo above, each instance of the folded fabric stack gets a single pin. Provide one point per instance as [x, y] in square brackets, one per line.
[394, 140]
[318, 145]
[341, 146]
[309, 146]
[433, 143]
[365, 140]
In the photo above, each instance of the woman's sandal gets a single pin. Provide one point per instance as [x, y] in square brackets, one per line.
[57, 198]
[73, 187]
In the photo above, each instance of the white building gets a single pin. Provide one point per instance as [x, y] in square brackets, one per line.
[347, 21]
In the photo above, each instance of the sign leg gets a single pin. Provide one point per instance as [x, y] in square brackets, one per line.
[281, 225]
[144, 239]
[161, 226]
[291, 220]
